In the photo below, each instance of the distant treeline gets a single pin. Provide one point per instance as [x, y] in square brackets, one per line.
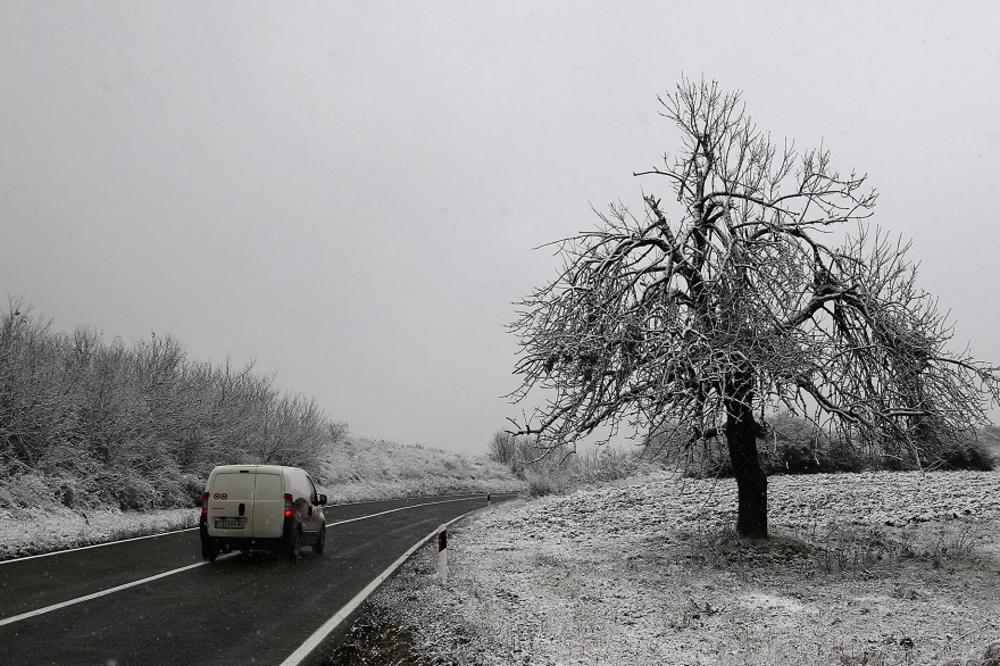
[87, 423]
[790, 444]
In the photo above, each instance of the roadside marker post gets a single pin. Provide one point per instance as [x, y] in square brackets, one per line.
[302, 653]
[442, 556]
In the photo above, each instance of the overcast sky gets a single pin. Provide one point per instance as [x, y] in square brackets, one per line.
[349, 192]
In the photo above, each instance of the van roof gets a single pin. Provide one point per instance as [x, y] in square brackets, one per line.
[266, 469]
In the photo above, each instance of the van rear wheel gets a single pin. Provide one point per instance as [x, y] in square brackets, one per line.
[294, 541]
[208, 552]
[320, 544]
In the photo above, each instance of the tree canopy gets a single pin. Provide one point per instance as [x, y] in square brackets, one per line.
[756, 282]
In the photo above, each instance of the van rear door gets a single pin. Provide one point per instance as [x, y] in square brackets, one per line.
[230, 504]
[269, 506]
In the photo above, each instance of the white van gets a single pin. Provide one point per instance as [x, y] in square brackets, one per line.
[247, 507]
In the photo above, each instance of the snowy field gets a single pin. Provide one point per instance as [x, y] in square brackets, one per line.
[886, 568]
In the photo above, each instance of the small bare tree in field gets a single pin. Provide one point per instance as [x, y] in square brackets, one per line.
[728, 299]
[503, 448]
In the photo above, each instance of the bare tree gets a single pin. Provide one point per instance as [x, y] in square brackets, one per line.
[503, 448]
[729, 299]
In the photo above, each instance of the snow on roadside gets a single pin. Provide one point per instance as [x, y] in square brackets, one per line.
[371, 491]
[883, 568]
[353, 470]
[358, 468]
[62, 528]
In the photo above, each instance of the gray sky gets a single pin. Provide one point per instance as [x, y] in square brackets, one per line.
[349, 192]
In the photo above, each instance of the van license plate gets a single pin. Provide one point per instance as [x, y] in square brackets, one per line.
[230, 523]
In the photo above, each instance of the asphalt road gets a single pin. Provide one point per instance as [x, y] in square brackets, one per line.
[238, 610]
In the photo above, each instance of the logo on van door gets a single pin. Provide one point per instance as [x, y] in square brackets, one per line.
[220, 496]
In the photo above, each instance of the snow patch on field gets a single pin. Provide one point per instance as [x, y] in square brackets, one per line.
[773, 604]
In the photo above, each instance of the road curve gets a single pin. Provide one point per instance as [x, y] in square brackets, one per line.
[237, 610]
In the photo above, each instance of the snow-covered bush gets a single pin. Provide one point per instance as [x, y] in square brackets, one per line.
[87, 423]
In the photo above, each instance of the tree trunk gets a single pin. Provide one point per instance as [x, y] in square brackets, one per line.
[751, 482]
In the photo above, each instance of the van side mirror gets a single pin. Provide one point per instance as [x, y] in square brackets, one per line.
[322, 500]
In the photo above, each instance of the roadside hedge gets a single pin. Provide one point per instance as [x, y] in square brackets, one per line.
[88, 423]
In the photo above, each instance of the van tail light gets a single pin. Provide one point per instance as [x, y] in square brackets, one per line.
[204, 504]
[288, 505]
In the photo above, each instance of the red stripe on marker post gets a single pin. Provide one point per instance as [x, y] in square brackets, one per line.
[442, 556]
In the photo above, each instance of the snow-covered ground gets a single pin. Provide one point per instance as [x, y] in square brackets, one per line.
[358, 469]
[55, 529]
[886, 568]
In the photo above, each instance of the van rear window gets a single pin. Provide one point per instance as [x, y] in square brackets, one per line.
[268, 487]
[236, 486]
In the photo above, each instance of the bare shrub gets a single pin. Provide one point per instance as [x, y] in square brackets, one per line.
[502, 448]
[545, 483]
[84, 422]
[553, 471]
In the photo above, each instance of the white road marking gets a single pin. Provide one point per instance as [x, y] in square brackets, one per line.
[401, 508]
[97, 545]
[327, 627]
[403, 499]
[102, 593]
[189, 529]
[125, 586]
